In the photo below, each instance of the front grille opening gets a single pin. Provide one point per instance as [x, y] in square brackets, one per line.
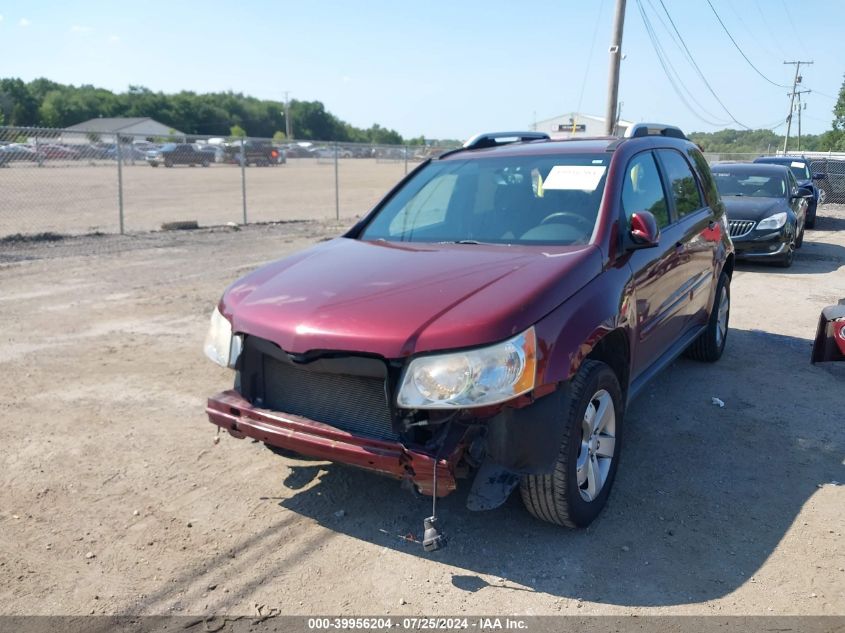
[738, 228]
[357, 404]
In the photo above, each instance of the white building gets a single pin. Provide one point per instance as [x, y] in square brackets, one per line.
[106, 129]
[574, 125]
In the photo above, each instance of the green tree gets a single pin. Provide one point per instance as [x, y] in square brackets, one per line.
[279, 136]
[236, 131]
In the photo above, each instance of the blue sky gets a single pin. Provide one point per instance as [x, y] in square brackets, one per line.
[441, 68]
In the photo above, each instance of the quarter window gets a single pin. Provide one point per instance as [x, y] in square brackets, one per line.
[643, 191]
[682, 183]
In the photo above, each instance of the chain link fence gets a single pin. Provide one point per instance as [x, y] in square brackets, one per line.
[55, 181]
[64, 182]
[831, 164]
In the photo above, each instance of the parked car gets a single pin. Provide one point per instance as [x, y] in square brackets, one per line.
[766, 208]
[172, 154]
[55, 151]
[216, 153]
[495, 313]
[255, 152]
[16, 152]
[297, 150]
[829, 344]
[800, 168]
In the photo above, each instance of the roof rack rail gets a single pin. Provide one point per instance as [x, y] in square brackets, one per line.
[491, 139]
[654, 129]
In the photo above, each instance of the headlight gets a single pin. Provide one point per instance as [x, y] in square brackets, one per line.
[773, 221]
[220, 346]
[473, 378]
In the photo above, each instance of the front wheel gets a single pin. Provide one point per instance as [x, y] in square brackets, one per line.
[575, 492]
[710, 344]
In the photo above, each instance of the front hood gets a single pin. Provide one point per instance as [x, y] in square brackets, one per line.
[395, 300]
[746, 208]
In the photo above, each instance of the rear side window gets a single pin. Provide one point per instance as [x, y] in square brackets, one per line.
[643, 190]
[682, 182]
[711, 193]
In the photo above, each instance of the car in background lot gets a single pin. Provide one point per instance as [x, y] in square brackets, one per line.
[172, 154]
[54, 151]
[17, 152]
[253, 152]
[495, 314]
[216, 153]
[800, 168]
[766, 208]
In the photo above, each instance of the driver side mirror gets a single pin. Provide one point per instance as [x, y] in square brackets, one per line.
[802, 192]
[644, 231]
[820, 176]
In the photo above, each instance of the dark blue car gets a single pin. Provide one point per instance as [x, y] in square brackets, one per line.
[800, 168]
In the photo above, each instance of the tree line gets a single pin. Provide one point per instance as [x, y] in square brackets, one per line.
[45, 103]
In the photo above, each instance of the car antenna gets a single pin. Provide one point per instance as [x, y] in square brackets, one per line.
[433, 539]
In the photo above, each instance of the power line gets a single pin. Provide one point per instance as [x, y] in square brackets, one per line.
[674, 80]
[698, 70]
[667, 58]
[741, 52]
[590, 56]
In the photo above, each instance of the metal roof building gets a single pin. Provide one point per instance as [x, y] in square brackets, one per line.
[107, 128]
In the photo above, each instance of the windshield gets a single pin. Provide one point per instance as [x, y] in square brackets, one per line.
[168, 146]
[503, 200]
[800, 170]
[744, 184]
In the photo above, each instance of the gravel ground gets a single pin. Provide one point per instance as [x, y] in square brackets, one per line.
[115, 499]
[73, 198]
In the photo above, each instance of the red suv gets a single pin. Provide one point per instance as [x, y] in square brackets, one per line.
[494, 314]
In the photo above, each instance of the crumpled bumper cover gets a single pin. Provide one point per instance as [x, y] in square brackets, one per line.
[230, 411]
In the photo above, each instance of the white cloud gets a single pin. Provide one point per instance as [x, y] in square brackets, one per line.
[346, 79]
[1, 18]
[114, 38]
[76, 28]
[24, 22]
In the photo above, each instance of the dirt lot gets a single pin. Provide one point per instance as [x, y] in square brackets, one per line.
[115, 499]
[73, 198]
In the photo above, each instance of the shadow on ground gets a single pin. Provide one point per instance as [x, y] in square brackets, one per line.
[702, 499]
[812, 258]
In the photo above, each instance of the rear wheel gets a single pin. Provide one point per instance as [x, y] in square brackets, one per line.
[710, 344]
[576, 491]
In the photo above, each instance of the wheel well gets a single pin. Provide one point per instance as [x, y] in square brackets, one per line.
[614, 350]
[729, 266]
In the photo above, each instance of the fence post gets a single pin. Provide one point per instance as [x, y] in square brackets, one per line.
[119, 184]
[406, 160]
[336, 186]
[38, 155]
[243, 177]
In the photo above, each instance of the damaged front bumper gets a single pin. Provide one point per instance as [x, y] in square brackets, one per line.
[232, 412]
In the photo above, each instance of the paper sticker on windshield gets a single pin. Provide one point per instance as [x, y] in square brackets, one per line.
[574, 177]
[796, 164]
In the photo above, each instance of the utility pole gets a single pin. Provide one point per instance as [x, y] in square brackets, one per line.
[799, 93]
[288, 126]
[791, 96]
[613, 76]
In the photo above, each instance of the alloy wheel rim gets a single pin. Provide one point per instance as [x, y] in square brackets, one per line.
[722, 316]
[598, 445]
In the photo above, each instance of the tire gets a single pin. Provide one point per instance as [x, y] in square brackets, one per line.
[557, 497]
[710, 344]
[205, 163]
[800, 241]
[810, 222]
[167, 163]
[153, 164]
[788, 256]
